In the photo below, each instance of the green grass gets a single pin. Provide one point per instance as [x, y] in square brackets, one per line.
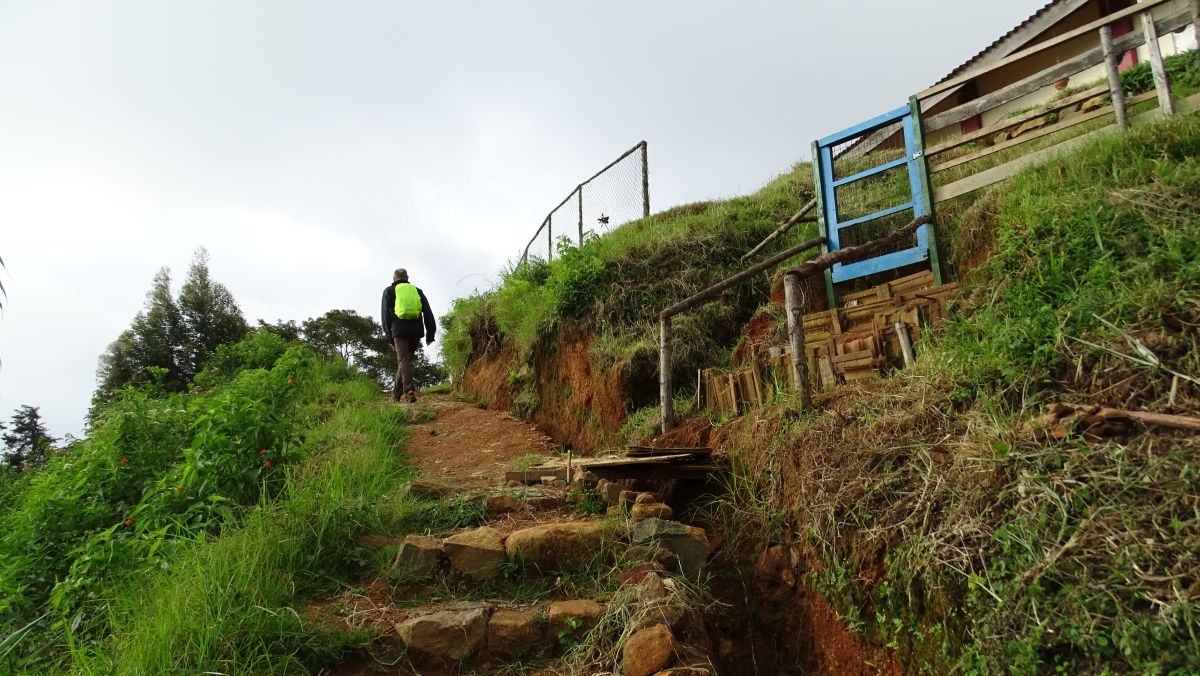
[613, 287]
[995, 549]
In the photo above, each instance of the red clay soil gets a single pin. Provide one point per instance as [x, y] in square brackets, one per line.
[469, 446]
[487, 379]
[760, 334]
[579, 405]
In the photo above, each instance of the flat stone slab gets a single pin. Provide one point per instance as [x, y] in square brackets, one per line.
[476, 553]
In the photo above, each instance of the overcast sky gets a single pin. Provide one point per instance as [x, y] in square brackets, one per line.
[312, 147]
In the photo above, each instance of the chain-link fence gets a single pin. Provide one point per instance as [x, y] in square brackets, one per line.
[617, 194]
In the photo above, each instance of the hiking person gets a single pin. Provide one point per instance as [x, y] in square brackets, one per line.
[404, 308]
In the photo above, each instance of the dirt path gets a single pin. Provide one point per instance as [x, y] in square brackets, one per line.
[469, 446]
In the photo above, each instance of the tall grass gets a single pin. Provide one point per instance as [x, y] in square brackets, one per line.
[236, 602]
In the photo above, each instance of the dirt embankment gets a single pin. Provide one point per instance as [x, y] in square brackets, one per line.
[576, 403]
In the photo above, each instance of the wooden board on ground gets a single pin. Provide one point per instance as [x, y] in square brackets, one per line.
[650, 451]
[559, 470]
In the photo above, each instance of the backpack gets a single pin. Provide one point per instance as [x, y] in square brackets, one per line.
[408, 301]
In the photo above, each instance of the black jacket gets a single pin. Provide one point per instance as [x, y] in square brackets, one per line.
[394, 327]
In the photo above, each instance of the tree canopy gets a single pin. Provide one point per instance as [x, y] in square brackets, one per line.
[28, 444]
[170, 339]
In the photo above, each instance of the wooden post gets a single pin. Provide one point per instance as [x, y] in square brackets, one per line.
[569, 466]
[1114, 77]
[1196, 28]
[645, 182]
[699, 391]
[905, 344]
[664, 375]
[794, 304]
[1161, 84]
[579, 189]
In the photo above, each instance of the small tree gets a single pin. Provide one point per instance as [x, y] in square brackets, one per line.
[28, 444]
[209, 316]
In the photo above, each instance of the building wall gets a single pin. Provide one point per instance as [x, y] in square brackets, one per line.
[1170, 44]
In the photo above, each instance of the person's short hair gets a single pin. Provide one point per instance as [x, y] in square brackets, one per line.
[400, 275]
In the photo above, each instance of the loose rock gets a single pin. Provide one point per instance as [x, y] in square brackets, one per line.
[513, 632]
[645, 498]
[429, 490]
[504, 504]
[689, 543]
[420, 557]
[476, 553]
[648, 651]
[448, 635]
[587, 612]
[650, 510]
[556, 546]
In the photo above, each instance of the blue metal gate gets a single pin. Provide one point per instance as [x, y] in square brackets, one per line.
[835, 223]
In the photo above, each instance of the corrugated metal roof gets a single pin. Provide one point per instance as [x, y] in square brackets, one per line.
[1032, 19]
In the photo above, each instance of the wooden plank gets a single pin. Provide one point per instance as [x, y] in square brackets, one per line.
[587, 463]
[1007, 170]
[685, 471]
[1045, 77]
[1011, 168]
[1043, 46]
[1044, 131]
[1053, 107]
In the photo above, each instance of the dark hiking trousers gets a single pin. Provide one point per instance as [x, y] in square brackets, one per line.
[405, 348]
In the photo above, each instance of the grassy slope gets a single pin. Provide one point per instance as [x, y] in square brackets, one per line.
[615, 286]
[188, 531]
[942, 527]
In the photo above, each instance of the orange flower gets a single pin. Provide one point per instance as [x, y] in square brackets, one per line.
[263, 452]
[289, 381]
[124, 461]
[128, 522]
[266, 463]
[179, 489]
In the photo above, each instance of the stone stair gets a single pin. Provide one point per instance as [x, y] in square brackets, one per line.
[649, 626]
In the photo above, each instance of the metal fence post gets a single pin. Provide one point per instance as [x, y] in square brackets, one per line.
[646, 181]
[1114, 77]
[549, 239]
[580, 190]
[1161, 84]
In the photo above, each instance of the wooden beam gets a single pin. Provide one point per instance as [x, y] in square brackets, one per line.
[796, 218]
[1052, 107]
[1161, 84]
[1114, 77]
[794, 305]
[1105, 21]
[855, 253]
[1008, 169]
[664, 375]
[1041, 79]
[1045, 131]
[712, 291]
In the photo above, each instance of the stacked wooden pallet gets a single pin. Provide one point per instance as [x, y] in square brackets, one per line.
[857, 340]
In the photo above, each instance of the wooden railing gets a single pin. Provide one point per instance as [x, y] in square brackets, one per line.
[1107, 52]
